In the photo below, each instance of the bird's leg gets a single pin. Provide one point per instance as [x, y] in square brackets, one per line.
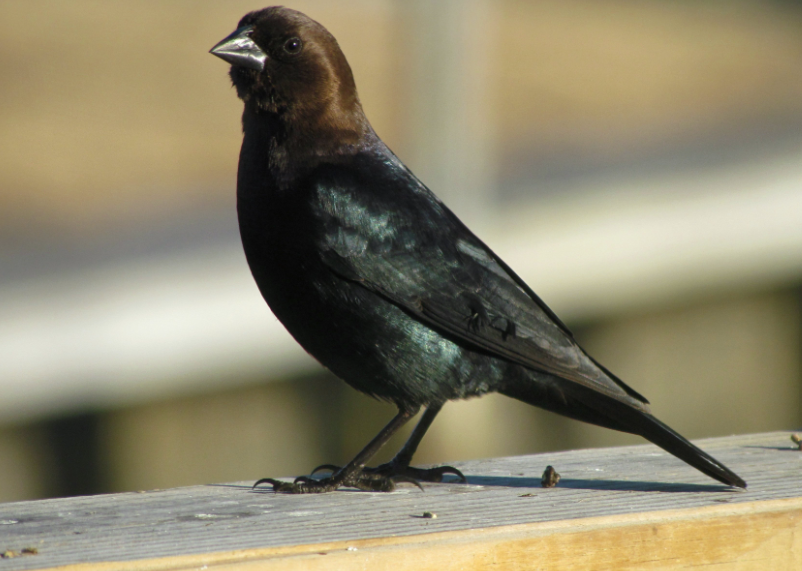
[352, 473]
[399, 465]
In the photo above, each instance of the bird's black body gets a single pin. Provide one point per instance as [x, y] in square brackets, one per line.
[375, 277]
[307, 266]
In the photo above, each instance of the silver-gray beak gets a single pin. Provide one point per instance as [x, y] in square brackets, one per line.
[239, 49]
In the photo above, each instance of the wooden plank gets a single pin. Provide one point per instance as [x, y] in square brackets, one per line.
[617, 508]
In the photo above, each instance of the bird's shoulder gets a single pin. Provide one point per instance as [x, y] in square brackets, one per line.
[374, 192]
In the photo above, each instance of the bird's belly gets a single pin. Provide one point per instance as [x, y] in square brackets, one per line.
[373, 344]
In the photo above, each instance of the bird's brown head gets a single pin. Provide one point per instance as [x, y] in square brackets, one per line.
[286, 65]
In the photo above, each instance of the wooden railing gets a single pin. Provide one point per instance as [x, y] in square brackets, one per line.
[613, 509]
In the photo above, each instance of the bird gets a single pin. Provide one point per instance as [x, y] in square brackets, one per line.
[377, 279]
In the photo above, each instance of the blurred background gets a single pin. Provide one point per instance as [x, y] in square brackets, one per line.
[639, 163]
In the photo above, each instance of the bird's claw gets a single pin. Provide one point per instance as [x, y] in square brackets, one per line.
[435, 474]
[366, 481]
[301, 485]
[373, 481]
[287, 487]
[330, 467]
[412, 475]
[380, 483]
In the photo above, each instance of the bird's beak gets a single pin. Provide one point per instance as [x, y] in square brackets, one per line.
[239, 49]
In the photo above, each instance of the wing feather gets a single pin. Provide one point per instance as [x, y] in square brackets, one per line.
[420, 257]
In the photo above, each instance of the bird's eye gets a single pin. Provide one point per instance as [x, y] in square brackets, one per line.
[293, 46]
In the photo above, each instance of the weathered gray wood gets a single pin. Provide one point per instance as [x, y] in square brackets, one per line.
[504, 491]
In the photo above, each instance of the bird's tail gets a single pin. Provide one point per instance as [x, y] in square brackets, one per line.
[671, 441]
[590, 406]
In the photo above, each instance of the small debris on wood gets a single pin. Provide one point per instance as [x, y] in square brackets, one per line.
[9, 553]
[796, 439]
[430, 515]
[550, 477]
[530, 495]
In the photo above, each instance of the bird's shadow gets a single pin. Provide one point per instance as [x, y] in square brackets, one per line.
[778, 448]
[569, 483]
[602, 485]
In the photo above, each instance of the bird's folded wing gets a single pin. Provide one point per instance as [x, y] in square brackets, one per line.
[448, 279]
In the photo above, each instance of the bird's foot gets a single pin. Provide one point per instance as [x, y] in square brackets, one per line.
[301, 485]
[427, 474]
[362, 480]
[403, 473]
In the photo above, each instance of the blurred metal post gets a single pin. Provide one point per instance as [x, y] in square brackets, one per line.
[449, 137]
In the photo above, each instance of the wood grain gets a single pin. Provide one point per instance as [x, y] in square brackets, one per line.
[617, 508]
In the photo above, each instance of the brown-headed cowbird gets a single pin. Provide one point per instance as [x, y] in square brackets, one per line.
[375, 277]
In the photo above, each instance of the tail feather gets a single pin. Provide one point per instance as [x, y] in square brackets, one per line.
[584, 404]
[674, 443]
